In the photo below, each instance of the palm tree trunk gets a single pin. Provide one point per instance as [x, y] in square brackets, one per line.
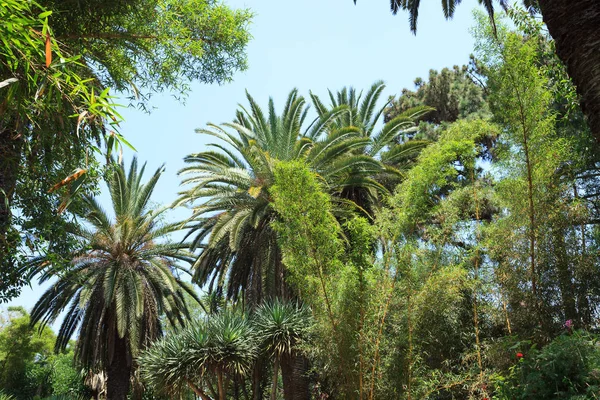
[287, 375]
[257, 379]
[118, 372]
[574, 26]
[301, 385]
[296, 383]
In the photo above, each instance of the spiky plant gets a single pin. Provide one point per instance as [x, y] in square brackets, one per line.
[219, 350]
[280, 327]
[121, 281]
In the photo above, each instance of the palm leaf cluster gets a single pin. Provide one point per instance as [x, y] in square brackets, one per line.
[121, 280]
[449, 6]
[391, 145]
[280, 326]
[228, 185]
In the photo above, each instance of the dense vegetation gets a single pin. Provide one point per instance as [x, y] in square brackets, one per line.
[441, 245]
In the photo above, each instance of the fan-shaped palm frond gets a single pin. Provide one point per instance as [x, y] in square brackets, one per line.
[121, 281]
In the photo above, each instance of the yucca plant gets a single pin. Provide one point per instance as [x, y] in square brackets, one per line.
[219, 350]
[280, 327]
[121, 281]
[4, 396]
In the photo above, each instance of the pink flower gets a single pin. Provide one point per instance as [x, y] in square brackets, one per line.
[569, 324]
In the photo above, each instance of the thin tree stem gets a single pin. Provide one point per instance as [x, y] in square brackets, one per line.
[220, 384]
[275, 379]
[197, 390]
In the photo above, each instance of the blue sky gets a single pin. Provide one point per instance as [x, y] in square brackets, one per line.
[310, 45]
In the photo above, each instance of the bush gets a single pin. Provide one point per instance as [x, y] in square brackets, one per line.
[567, 368]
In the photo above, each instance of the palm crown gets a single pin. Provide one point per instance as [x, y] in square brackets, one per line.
[390, 145]
[228, 186]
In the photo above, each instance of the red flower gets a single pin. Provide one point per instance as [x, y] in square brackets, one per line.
[519, 355]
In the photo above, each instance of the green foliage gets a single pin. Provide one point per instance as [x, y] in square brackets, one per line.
[337, 277]
[453, 93]
[66, 378]
[567, 368]
[158, 45]
[22, 345]
[533, 184]
[442, 168]
[308, 232]
[58, 113]
[45, 106]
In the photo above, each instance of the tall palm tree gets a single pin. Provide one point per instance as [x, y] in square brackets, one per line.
[229, 190]
[121, 281]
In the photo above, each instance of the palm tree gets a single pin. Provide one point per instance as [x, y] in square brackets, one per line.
[280, 327]
[232, 222]
[121, 281]
[573, 24]
[391, 144]
[220, 349]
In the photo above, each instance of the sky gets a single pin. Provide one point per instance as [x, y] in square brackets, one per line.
[310, 45]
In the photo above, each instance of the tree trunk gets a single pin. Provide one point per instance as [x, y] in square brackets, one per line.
[296, 383]
[301, 385]
[197, 390]
[575, 27]
[287, 374]
[10, 156]
[118, 372]
[257, 379]
[221, 385]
